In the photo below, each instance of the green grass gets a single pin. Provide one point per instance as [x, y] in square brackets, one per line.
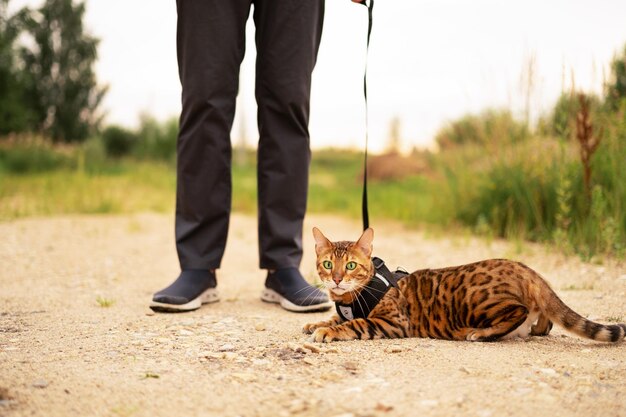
[122, 187]
[104, 302]
[529, 190]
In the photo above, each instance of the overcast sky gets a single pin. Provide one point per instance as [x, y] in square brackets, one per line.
[430, 61]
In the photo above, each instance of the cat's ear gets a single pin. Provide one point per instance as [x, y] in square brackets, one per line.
[365, 241]
[321, 242]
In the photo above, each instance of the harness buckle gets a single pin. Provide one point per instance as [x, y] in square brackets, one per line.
[380, 262]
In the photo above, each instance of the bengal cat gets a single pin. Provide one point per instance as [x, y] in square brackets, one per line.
[482, 301]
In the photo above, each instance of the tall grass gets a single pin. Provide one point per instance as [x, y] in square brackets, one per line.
[530, 189]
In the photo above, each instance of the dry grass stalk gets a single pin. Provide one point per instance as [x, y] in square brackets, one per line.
[588, 141]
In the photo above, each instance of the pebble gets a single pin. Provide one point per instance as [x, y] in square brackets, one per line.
[261, 362]
[331, 376]
[350, 366]
[227, 347]
[309, 361]
[297, 406]
[40, 383]
[184, 332]
[212, 355]
[465, 370]
[259, 327]
[394, 349]
[384, 407]
[231, 356]
[244, 376]
[296, 347]
[429, 403]
[548, 371]
[311, 347]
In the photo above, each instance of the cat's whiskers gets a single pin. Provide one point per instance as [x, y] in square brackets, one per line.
[356, 297]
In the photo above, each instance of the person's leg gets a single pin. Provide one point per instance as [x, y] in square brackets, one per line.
[288, 35]
[210, 47]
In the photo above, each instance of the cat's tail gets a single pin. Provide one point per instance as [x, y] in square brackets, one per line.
[558, 312]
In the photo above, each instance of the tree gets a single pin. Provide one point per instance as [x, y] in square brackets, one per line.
[15, 116]
[616, 87]
[61, 84]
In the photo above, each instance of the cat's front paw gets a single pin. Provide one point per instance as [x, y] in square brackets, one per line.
[323, 335]
[310, 328]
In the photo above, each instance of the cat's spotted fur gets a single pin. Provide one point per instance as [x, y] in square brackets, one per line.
[482, 301]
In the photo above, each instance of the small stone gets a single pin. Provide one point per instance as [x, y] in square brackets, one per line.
[548, 371]
[332, 350]
[244, 376]
[308, 361]
[429, 403]
[331, 376]
[296, 348]
[383, 407]
[150, 313]
[227, 348]
[394, 349]
[184, 332]
[259, 327]
[464, 370]
[40, 383]
[297, 406]
[214, 355]
[350, 366]
[311, 347]
[231, 356]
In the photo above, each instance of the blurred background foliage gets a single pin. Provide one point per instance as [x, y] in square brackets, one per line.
[492, 173]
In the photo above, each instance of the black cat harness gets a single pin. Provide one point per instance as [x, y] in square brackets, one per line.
[372, 293]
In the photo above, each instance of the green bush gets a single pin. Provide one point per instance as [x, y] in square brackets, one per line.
[118, 141]
[157, 140]
[491, 127]
[31, 155]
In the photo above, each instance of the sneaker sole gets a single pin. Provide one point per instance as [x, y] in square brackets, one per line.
[209, 296]
[271, 296]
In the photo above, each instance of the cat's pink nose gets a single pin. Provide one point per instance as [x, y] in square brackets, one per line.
[337, 279]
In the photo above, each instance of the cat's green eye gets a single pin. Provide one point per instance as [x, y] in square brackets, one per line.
[327, 264]
[350, 266]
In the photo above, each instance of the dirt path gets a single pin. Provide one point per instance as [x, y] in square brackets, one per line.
[63, 354]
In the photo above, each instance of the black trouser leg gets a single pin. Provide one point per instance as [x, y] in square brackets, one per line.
[288, 35]
[210, 45]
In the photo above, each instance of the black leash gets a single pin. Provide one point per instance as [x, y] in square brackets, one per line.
[366, 217]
